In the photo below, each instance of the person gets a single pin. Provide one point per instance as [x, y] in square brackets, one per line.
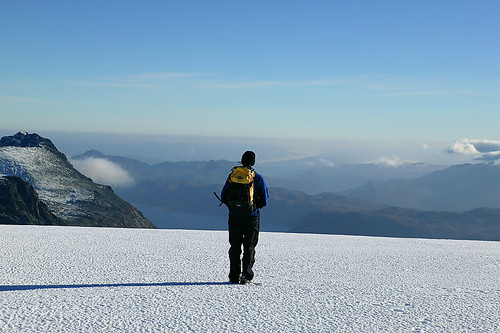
[244, 229]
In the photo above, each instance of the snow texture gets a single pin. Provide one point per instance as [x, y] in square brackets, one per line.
[69, 279]
[56, 182]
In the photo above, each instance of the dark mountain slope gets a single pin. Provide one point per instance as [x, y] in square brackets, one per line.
[19, 204]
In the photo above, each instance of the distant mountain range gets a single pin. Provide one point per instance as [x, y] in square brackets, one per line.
[316, 175]
[69, 195]
[187, 188]
[309, 175]
[457, 188]
[194, 172]
[38, 185]
[477, 224]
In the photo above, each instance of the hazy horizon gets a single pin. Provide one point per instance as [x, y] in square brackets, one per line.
[375, 73]
[153, 149]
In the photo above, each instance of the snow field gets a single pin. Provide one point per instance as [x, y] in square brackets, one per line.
[68, 279]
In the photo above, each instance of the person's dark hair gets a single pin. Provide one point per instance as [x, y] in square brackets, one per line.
[248, 158]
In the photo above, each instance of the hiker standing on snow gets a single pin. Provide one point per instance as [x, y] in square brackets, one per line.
[244, 193]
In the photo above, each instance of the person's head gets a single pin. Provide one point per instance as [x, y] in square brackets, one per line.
[248, 158]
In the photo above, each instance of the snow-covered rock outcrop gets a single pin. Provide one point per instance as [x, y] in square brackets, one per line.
[68, 194]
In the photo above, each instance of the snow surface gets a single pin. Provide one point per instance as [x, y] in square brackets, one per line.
[73, 279]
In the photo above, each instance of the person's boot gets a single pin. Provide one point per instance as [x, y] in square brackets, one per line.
[234, 279]
[245, 280]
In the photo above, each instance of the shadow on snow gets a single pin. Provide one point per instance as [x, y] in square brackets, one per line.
[110, 285]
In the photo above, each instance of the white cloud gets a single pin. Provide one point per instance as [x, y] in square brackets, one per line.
[167, 75]
[393, 162]
[277, 84]
[488, 150]
[103, 171]
[437, 93]
[463, 146]
[20, 99]
[168, 80]
[316, 162]
[326, 162]
[146, 81]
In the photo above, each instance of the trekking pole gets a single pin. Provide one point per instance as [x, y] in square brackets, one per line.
[221, 202]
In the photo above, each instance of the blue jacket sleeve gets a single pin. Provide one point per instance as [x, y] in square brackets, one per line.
[223, 192]
[261, 192]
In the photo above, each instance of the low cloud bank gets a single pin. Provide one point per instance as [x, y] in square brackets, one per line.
[393, 162]
[487, 150]
[316, 162]
[103, 171]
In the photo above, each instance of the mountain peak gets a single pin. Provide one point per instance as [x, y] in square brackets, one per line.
[24, 139]
[90, 153]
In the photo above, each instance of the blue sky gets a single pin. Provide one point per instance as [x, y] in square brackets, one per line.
[391, 71]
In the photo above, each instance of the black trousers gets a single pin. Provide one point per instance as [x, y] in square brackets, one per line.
[242, 231]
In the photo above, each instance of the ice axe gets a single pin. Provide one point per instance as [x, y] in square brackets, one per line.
[221, 202]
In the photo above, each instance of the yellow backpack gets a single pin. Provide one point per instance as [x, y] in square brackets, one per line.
[240, 190]
[241, 175]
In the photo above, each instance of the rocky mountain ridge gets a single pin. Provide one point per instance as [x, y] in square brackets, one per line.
[19, 204]
[68, 194]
